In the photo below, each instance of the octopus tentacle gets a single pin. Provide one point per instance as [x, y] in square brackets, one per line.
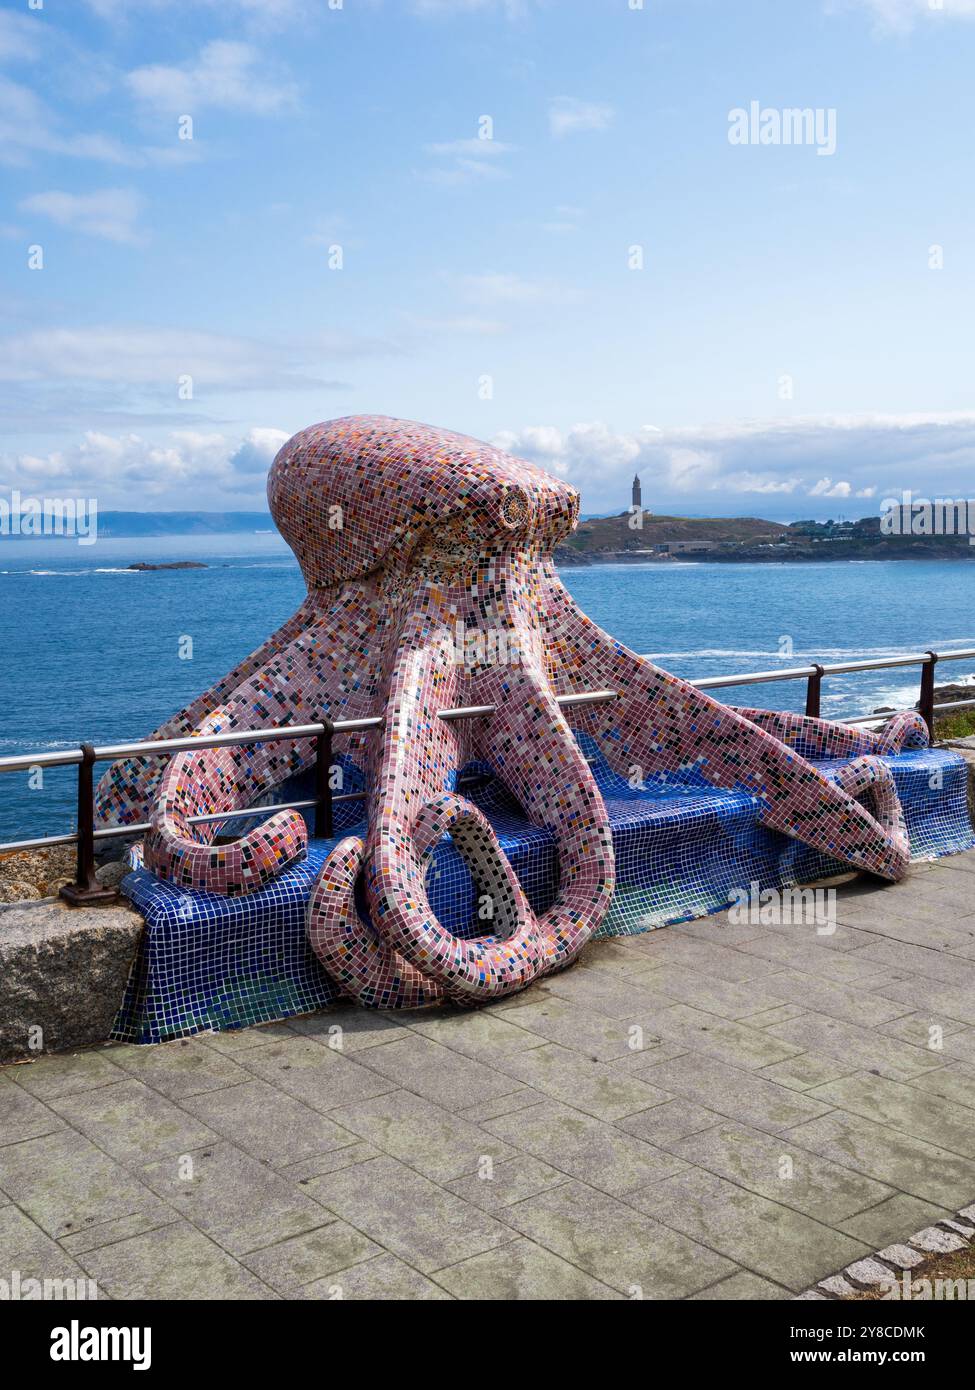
[819, 738]
[664, 724]
[127, 791]
[359, 961]
[307, 678]
[869, 779]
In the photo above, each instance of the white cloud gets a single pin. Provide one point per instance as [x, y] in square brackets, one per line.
[28, 128]
[19, 36]
[260, 13]
[827, 488]
[902, 15]
[513, 9]
[463, 161]
[567, 115]
[691, 467]
[226, 74]
[111, 213]
[158, 357]
[129, 466]
[495, 288]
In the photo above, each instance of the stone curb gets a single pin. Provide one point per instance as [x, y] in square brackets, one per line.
[889, 1264]
[63, 973]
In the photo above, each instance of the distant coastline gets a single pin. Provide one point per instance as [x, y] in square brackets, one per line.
[627, 538]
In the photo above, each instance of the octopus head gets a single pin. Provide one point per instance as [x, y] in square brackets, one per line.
[351, 495]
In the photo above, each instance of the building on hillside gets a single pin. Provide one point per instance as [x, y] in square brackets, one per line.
[637, 494]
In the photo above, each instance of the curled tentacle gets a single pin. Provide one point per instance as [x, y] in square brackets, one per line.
[869, 779]
[507, 960]
[904, 730]
[820, 738]
[357, 959]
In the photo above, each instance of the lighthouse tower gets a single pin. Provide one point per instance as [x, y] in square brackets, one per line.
[637, 494]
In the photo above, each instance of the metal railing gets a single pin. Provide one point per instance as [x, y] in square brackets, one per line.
[87, 890]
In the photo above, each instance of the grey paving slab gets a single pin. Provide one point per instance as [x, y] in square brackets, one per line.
[617, 1244]
[593, 1087]
[29, 1250]
[806, 1070]
[767, 1017]
[502, 1184]
[836, 1000]
[666, 1124]
[314, 1073]
[384, 1278]
[951, 1084]
[483, 1035]
[909, 1164]
[960, 1047]
[438, 1073]
[65, 1183]
[109, 1232]
[234, 1199]
[705, 947]
[957, 1003]
[768, 1239]
[743, 1288]
[348, 1029]
[861, 1047]
[521, 1271]
[613, 995]
[720, 1038]
[906, 1109]
[185, 1067]
[332, 1162]
[777, 1168]
[172, 1262]
[715, 1111]
[923, 1029]
[569, 1023]
[314, 1255]
[420, 1222]
[727, 999]
[61, 1074]
[22, 1116]
[843, 967]
[892, 1219]
[245, 1039]
[270, 1125]
[131, 1122]
[740, 1095]
[502, 1105]
[425, 1136]
[920, 960]
[584, 1148]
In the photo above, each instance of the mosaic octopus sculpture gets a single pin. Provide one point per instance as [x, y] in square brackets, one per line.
[431, 585]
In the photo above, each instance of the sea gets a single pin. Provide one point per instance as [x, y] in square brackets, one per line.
[93, 651]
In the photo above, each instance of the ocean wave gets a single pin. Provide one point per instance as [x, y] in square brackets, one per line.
[805, 657]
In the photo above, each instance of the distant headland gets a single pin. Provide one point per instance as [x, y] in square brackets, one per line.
[639, 537]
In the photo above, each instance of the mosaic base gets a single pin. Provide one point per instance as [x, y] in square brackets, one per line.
[681, 847]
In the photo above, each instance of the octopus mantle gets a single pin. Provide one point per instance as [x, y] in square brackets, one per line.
[428, 560]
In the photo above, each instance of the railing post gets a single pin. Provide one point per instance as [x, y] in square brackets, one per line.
[324, 828]
[86, 890]
[813, 691]
[926, 702]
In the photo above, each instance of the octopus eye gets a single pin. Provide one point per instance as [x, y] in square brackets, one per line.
[514, 509]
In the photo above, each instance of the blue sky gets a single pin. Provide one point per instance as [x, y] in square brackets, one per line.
[789, 348]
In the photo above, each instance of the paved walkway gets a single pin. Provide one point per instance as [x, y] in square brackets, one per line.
[708, 1111]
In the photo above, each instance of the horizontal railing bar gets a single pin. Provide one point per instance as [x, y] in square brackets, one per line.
[953, 704]
[22, 762]
[793, 673]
